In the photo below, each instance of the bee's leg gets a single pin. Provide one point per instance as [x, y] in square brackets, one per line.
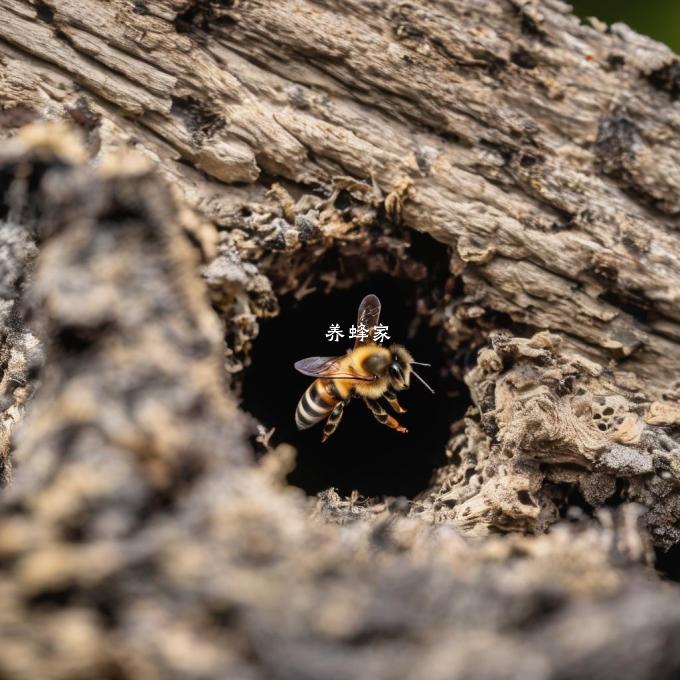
[333, 420]
[382, 416]
[392, 401]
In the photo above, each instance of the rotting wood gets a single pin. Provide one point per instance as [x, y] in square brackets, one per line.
[542, 152]
[137, 540]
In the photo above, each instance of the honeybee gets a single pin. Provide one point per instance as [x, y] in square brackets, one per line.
[368, 371]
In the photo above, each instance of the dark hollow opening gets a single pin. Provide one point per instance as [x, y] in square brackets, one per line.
[668, 563]
[362, 454]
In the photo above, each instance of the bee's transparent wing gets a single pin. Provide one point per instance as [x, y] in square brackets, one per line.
[327, 367]
[317, 367]
[369, 316]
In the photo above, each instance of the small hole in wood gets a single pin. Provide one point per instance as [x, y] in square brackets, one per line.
[362, 454]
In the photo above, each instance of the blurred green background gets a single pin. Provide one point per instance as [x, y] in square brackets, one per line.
[659, 19]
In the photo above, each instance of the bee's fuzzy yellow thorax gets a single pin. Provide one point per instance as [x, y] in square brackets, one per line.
[360, 354]
[358, 357]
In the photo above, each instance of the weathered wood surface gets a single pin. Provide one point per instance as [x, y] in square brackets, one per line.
[137, 541]
[544, 151]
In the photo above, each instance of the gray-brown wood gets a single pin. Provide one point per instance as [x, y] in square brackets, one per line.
[543, 156]
[544, 151]
[139, 540]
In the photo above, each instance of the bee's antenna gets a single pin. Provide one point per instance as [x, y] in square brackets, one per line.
[422, 381]
[420, 363]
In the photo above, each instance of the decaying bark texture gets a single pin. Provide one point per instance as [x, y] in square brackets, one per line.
[297, 146]
[20, 353]
[544, 152]
[139, 540]
[549, 422]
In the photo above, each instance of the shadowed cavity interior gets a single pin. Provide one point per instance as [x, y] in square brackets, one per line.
[362, 454]
[668, 563]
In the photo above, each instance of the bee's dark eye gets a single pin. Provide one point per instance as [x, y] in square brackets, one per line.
[394, 370]
[375, 364]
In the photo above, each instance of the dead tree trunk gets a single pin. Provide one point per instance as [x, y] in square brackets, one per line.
[543, 158]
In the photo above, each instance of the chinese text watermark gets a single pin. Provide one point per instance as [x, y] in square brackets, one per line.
[360, 332]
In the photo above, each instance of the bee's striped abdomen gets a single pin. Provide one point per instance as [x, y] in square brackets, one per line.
[314, 405]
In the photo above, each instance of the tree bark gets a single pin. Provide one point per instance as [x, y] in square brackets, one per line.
[545, 152]
[541, 153]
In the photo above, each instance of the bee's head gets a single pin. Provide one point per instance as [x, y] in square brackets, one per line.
[401, 368]
[399, 371]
